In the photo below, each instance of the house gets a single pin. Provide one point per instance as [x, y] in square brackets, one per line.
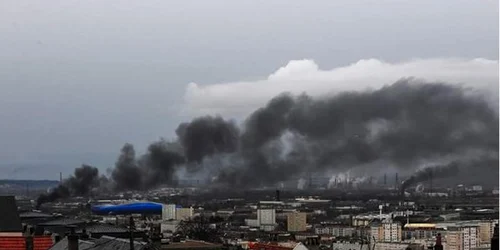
[277, 246]
[12, 235]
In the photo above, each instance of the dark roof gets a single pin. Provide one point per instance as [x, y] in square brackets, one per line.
[189, 244]
[62, 222]
[9, 219]
[104, 243]
[63, 245]
[111, 243]
[104, 229]
[33, 215]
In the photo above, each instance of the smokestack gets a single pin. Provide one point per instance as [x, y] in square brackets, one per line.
[72, 240]
[277, 195]
[60, 178]
[494, 239]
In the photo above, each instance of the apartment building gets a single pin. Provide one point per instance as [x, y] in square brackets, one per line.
[183, 213]
[296, 222]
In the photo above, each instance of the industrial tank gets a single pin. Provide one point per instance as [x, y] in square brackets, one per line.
[130, 208]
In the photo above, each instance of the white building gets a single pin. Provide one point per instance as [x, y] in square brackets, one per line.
[392, 232]
[266, 216]
[168, 212]
[470, 237]
[184, 213]
[266, 219]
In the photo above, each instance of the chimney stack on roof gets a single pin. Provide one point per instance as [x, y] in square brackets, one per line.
[72, 240]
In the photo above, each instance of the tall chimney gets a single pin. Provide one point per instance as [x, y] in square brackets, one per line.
[72, 240]
[494, 239]
[60, 177]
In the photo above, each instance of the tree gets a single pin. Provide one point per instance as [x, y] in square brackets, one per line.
[199, 228]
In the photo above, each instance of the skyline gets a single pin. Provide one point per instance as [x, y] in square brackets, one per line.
[78, 80]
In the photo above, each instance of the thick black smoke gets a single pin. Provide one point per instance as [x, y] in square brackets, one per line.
[206, 136]
[156, 167]
[79, 184]
[400, 125]
[127, 175]
[431, 173]
[160, 164]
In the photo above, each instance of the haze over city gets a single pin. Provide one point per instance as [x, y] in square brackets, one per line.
[78, 80]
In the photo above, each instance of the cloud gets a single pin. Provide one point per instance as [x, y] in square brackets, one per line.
[237, 99]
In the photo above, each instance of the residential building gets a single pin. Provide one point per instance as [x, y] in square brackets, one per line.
[485, 232]
[266, 219]
[392, 232]
[266, 216]
[386, 232]
[169, 212]
[12, 235]
[183, 213]
[470, 237]
[454, 240]
[296, 222]
[377, 233]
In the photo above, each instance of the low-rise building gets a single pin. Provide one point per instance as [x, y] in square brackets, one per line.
[296, 222]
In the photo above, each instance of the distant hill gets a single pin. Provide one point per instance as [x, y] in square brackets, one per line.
[38, 184]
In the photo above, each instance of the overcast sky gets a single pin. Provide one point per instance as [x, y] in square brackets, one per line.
[78, 79]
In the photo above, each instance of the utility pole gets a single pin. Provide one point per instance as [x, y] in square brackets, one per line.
[131, 228]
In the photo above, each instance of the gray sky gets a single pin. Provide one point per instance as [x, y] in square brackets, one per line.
[80, 78]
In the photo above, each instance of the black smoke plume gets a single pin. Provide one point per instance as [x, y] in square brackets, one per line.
[400, 125]
[431, 173]
[127, 175]
[157, 166]
[206, 136]
[79, 184]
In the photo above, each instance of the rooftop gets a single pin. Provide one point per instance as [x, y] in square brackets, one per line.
[191, 244]
[9, 219]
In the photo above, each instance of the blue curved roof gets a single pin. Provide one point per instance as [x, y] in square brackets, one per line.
[130, 208]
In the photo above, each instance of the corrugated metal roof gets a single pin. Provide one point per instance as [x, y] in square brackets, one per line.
[62, 222]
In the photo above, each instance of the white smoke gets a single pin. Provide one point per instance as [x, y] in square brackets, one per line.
[237, 99]
[301, 184]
